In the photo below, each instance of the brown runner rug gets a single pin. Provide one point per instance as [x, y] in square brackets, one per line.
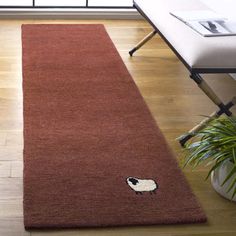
[93, 155]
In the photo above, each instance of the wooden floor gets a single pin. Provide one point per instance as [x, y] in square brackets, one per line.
[175, 101]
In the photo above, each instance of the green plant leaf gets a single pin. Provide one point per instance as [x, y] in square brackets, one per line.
[234, 155]
[231, 185]
[234, 193]
[214, 167]
[231, 173]
[214, 145]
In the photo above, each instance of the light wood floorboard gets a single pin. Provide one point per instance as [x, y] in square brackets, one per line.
[174, 100]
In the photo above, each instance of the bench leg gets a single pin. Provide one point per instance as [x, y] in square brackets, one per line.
[223, 109]
[142, 42]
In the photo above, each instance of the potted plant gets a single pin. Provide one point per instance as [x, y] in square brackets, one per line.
[215, 146]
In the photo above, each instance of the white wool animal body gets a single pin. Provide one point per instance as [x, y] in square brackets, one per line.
[142, 185]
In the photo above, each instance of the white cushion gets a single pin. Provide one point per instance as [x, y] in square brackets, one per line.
[222, 6]
[196, 50]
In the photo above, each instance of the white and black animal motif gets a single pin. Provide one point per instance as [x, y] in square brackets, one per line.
[142, 185]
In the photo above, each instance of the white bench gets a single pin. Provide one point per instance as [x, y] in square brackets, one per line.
[199, 54]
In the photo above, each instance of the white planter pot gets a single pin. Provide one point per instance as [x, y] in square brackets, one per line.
[217, 178]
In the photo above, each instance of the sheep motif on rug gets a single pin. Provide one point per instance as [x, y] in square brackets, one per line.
[142, 185]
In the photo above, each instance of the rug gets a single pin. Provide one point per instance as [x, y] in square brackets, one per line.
[93, 154]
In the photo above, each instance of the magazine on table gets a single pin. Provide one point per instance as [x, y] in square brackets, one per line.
[207, 23]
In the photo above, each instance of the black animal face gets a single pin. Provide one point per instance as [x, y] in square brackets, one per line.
[133, 181]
